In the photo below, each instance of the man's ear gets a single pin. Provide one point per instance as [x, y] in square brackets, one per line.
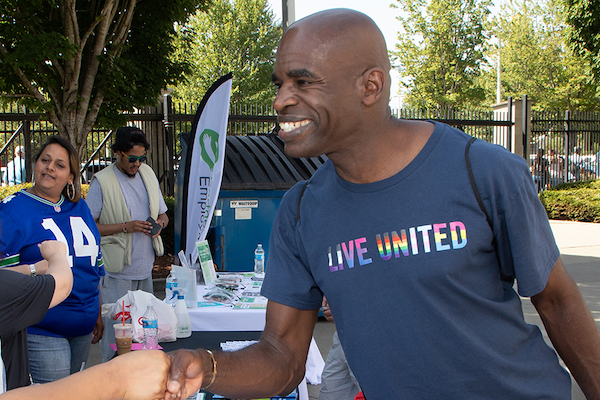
[373, 82]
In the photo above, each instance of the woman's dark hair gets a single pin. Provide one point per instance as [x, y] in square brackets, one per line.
[128, 136]
[73, 164]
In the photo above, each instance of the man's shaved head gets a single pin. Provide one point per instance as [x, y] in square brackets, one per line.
[344, 35]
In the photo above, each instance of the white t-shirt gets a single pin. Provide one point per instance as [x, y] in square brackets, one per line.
[138, 205]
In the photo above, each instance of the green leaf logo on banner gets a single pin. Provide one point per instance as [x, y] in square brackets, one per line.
[209, 140]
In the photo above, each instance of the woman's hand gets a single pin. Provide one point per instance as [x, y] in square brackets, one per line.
[98, 330]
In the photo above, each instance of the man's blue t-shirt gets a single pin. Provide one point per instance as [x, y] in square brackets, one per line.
[25, 221]
[409, 269]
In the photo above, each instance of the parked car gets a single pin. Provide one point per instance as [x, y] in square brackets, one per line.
[87, 172]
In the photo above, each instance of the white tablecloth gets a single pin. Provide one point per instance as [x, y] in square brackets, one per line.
[227, 318]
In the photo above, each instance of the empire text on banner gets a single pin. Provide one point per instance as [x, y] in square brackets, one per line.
[204, 166]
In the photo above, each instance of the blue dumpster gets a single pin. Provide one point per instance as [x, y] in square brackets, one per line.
[256, 175]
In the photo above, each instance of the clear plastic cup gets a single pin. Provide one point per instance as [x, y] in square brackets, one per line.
[123, 336]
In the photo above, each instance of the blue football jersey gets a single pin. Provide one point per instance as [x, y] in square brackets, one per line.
[25, 221]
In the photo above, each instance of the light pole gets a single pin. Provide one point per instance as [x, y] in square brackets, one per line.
[498, 81]
[288, 13]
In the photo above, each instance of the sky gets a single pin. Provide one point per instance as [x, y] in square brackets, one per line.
[379, 11]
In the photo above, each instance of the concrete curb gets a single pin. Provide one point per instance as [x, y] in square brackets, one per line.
[577, 238]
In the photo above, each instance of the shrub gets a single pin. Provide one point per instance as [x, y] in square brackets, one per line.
[578, 201]
[84, 190]
[8, 190]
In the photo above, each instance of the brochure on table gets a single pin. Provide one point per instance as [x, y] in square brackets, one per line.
[206, 263]
[247, 296]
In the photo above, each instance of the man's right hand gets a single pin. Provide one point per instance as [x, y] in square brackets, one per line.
[186, 373]
[326, 310]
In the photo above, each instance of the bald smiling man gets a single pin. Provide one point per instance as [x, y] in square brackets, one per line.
[390, 230]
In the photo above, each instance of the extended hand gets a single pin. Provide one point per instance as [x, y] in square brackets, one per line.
[185, 375]
[138, 375]
[142, 374]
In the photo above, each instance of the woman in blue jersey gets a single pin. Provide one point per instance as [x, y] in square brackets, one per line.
[51, 210]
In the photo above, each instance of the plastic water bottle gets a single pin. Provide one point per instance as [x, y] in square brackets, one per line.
[170, 289]
[184, 324]
[259, 260]
[150, 326]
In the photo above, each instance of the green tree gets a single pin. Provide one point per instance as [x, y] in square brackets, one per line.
[584, 18]
[440, 51]
[238, 36]
[80, 61]
[536, 59]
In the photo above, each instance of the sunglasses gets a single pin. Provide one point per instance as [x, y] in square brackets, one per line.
[133, 159]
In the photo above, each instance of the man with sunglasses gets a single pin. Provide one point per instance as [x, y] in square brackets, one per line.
[121, 198]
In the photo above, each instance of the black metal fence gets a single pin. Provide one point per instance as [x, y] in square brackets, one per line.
[564, 147]
[484, 125]
[164, 125]
[558, 134]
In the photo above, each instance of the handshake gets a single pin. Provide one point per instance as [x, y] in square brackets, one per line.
[138, 375]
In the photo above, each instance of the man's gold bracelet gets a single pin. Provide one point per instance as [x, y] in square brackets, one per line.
[214, 368]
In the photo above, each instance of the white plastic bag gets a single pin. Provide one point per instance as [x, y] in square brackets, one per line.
[136, 303]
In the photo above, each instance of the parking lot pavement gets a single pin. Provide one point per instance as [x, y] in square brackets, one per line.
[577, 238]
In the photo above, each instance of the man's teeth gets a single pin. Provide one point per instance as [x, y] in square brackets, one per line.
[290, 126]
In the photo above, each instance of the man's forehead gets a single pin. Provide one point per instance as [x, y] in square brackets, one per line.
[301, 56]
[306, 39]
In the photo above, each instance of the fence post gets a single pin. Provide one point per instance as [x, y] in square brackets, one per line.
[510, 128]
[525, 131]
[567, 145]
[27, 145]
[168, 123]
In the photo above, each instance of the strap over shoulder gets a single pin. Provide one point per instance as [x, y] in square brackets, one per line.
[300, 200]
[506, 278]
[472, 180]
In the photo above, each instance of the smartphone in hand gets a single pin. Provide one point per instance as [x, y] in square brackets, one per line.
[155, 226]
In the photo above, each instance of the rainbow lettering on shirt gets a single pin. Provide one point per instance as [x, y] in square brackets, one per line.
[394, 244]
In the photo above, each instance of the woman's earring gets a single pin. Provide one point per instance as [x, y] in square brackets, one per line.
[70, 191]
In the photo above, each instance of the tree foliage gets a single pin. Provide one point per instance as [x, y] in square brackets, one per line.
[440, 51]
[238, 36]
[80, 61]
[584, 18]
[536, 59]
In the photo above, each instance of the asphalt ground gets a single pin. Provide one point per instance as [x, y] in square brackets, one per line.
[579, 244]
